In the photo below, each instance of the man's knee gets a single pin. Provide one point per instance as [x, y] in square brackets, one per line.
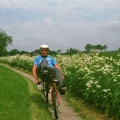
[43, 63]
[57, 70]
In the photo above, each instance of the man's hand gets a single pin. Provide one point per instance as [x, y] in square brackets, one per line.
[63, 77]
[36, 81]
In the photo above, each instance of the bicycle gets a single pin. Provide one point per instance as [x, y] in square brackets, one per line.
[49, 83]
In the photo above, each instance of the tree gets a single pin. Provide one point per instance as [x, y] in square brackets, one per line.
[5, 40]
[104, 47]
[72, 50]
[23, 52]
[14, 52]
[59, 51]
[89, 47]
[99, 47]
[119, 49]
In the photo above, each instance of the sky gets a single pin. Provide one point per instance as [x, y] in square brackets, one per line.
[61, 24]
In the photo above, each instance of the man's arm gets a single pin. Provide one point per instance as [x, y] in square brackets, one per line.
[34, 73]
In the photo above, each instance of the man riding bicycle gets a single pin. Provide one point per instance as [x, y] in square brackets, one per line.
[44, 60]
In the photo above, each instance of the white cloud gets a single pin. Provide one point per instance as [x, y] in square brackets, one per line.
[61, 24]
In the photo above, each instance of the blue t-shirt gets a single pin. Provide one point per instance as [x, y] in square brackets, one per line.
[51, 60]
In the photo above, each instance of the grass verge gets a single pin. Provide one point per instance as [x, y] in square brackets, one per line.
[20, 99]
[85, 111]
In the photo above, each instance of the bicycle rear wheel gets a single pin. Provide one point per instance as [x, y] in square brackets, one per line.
[54, 104]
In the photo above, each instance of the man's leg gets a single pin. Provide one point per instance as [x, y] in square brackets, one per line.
[58, 76]
[43, 63]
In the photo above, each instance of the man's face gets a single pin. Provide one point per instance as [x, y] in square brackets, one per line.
[44, 51]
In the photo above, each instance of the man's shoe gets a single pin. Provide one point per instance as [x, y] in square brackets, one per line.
[44, 70]
[62, 89]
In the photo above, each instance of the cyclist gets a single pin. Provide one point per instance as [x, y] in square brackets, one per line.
[45, 60]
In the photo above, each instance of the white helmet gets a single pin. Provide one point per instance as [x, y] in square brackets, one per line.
[44, 46]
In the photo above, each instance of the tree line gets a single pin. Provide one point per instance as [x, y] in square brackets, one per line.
[6, 40]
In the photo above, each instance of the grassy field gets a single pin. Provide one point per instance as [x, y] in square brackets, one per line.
[113, 54]
[20, 99]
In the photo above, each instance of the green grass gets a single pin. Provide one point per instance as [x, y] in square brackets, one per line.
[86, 112]
[20, 99]
[113, 54]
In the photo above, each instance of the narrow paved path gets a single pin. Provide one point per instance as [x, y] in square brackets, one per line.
[65, 112]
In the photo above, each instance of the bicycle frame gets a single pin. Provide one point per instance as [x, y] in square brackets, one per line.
[54, 88]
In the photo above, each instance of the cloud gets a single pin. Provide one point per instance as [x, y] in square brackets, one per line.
[61, 24]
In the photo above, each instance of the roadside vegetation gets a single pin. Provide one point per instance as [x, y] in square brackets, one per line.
[20, 99]
[87, 112]
[93, 78]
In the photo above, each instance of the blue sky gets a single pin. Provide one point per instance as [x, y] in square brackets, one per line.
[61, 24]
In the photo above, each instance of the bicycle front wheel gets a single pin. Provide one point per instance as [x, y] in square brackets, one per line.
[45, 91]
[46, 94]
[54, 104]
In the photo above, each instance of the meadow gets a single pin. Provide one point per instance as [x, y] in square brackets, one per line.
[93, 77]
[20, 99]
